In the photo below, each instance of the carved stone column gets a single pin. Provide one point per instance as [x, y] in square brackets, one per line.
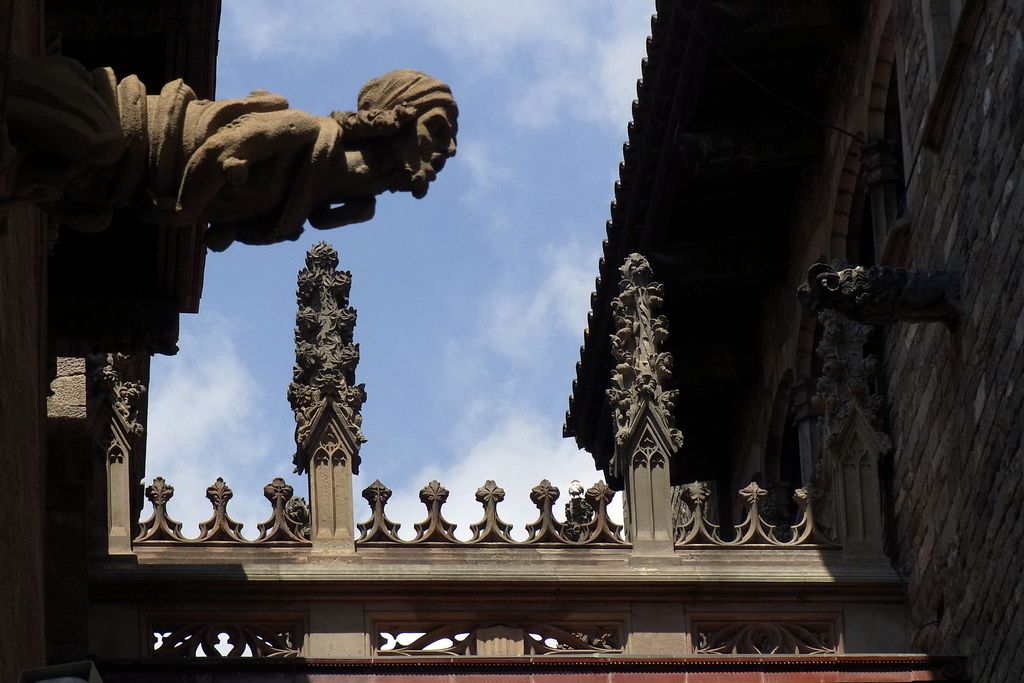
[116, 408]
[884, 180]
[805, 417]
[325, 399]
[645, 436]
[854, 440]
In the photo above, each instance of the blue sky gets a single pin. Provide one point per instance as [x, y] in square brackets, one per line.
[472, 301]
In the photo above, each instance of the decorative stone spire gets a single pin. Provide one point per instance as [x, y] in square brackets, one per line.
[641, 369]
[325, 398]
[645, 434]
[853, 434]
[116, 405]
[325, 355]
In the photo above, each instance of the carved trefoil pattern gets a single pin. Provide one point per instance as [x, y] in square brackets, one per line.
[765, 638]
[288, 523]
[186, 638]
[496, 639]
[592, 528]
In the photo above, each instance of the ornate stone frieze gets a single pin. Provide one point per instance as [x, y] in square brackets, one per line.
[288, 523]
[880, 295]
[642, 369]
[696, 529]
[496, 639]
[224, 639]
[765, 638]
[81, 144]
[323, 394]
[587, 514]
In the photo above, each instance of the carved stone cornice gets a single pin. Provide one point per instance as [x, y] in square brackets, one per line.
[642, 369]
[881, 295]
[323, 382]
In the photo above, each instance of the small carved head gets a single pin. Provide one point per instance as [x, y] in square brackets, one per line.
[822, 280]
[423, 148]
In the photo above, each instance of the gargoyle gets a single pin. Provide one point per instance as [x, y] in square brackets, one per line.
[80, 144]
[880, 295]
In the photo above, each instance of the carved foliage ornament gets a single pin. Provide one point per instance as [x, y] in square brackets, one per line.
[642, 369]
[112, 379]
[848, 378]
[765, 638]
[514, 639]
[880, 295]
[323, 379]
[225, 639]
[80, 144]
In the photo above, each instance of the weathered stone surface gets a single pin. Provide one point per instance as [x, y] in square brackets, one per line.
[82, 144]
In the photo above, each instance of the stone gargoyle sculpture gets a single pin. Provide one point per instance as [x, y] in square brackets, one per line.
[880, 295]
[80, 144]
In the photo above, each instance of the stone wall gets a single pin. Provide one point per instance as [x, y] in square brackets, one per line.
[23, 247]
[955, 397]
[69, 490]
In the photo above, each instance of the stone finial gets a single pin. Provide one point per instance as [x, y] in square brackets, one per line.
[435, 528]
[323, 378]
[491, 529]
[880, 295]
[642, 369]
[160, 526]
[80, 144]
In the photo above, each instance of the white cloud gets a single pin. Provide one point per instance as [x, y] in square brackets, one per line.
[543, 58]
[299, 27]
[519, 322]
[487, 171]
[204, 423]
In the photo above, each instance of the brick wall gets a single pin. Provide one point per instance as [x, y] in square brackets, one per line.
[22, 400]
[956, 396]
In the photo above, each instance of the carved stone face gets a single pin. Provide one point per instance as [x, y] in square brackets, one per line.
[424, 151]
